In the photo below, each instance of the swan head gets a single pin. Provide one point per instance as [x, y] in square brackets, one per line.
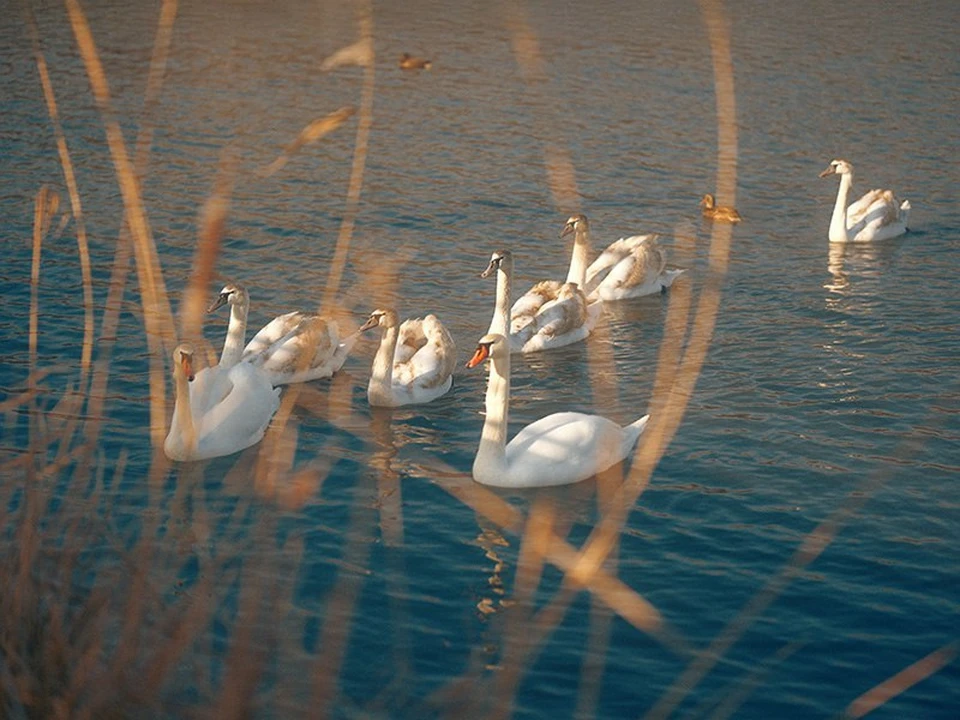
[380, 318]
[838, 167]
[183, 360]
[232, 294]
[486, 347]
[708, 202]
[575, 223]
[499, 258]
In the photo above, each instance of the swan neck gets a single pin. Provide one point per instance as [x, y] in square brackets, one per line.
[186, 435]
[491, 455]
[838, 222]
[500, 324]
[580, 258]
[381, 376]
[236, 332]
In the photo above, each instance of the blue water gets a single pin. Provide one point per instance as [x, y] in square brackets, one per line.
[831, 380]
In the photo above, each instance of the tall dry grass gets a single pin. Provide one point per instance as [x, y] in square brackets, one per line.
[115, 633]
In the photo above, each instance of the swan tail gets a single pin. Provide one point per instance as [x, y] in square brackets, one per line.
[905, 208]
[668, 276]
[632, 432]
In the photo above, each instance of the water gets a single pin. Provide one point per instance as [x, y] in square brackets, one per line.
[825, 361]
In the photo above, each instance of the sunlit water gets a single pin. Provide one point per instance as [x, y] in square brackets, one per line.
[825, 361]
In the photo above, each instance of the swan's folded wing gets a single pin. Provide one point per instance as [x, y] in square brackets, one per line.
[275, 330]
[410, 338]
[240, 419]
[857, 210]
[531, 301]
[307, 346]
[564, 447]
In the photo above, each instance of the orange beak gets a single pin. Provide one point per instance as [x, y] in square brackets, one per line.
[482, 353]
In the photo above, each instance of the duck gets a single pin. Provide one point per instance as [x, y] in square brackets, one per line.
[294, 347]
[415, 360]
[559, 449]
[630, 267]
[549, 316]
[875, 216]
[213, 424]
[718, 213]
[411, 62]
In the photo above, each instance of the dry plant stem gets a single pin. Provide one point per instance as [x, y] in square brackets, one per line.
[121, 260]
[41, 210]
[156, 309]
[71, 181]
[519, 644]
[903, 680]
[727, 702]
[340, 609]
[364, 123]
[662, 428]
[526, 48]
[213, 220]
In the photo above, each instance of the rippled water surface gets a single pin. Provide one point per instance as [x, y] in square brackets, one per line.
[831, 379]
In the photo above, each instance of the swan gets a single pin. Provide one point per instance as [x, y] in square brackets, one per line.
[720, 213]
[630, 267]
[875, 216]
[208, 425]
[294, 347]
[414, 363]
[554, 318]
[559, 449]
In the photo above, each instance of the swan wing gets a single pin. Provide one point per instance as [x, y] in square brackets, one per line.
[273, 331]
[241, 417]
[531, 302]
[410, 338]
[616, 253]
[307, 352]
[640, 273]
[563, 448]
[856, 210]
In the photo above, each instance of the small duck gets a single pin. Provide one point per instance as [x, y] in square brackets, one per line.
[719, 213]
[411, 62]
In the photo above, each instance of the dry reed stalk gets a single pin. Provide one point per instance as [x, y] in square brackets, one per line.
[121, 261]
[45, 205]
[663, 427]
[310, 134]
[213, 222]
[518, 645]
[364, 123]
[156, 309]
[340, 611]
[70, 179]
[745, 686]
[903, 680]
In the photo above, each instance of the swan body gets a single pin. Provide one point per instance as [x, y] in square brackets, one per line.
[293, 347]
[414, 362]
[552, 314]
[227, 415]
[719, 213]
[875, 216]
[630, 267]
[559, 449]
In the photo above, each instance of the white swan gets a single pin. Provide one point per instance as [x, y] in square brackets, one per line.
[553, 318]
[414, 363]
[294, 347]
[559, 449]
[875, 216]
[212, 424]
[630, 267]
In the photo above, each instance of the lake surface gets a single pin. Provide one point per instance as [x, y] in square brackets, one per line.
[830, 383]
